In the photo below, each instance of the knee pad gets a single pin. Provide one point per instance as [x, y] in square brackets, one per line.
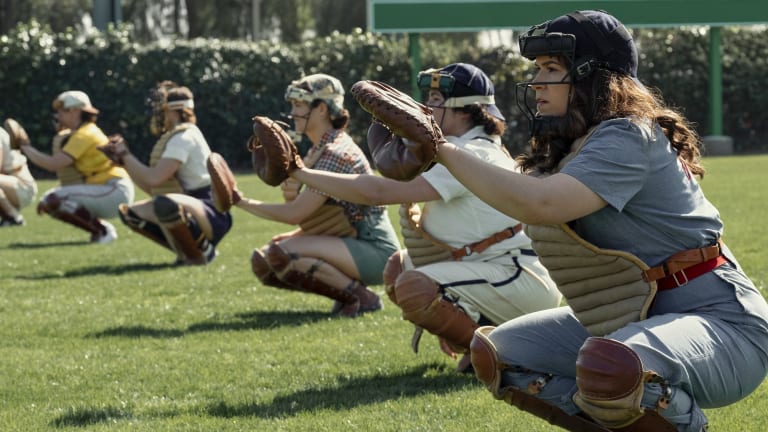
[49, 204]
[278, 259]
[419, 298]
[146, 228]
[392, 270]
[485, 360]
[610, 380]
[259, 265]
[415, 292]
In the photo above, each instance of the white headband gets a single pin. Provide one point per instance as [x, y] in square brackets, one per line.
[459, 102]
[180, 104]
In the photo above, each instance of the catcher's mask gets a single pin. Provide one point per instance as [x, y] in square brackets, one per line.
[159, 103]
[587, 41]
[461, 84]
[318, 87]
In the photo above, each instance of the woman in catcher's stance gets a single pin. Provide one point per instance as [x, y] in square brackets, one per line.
[662, 321]
[180, 215]
[90, 187]
[466, 264]
[17, 186]
[333, 256]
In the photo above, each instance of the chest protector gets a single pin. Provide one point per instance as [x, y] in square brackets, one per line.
[69, 175]
[604, 288]
[330, 218]
[171, 185]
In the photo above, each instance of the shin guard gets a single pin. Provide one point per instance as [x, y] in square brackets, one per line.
[264, 272]
[488, 368]
[173, 221]
[71, 213]
[138, 225]
[283, 265]
[611, 380]
[419, 298]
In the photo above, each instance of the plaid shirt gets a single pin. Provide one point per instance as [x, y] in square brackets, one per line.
[342, 155]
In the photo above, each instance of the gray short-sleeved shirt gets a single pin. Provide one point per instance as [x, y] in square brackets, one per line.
[655, 205]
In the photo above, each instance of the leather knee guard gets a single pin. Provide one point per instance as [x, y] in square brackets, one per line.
[49, 204]
[283, 265]
[419, 298]
[392, 270]
[611, 379]
[71, 213]
[488, 368]
[264, 272]
[138, 225]
[172, 218]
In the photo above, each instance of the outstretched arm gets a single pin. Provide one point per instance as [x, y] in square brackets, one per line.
[366, 188]
[555, 199]
[291, 212]
[53, 162]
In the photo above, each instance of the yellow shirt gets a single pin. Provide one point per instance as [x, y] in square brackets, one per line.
[82, 146]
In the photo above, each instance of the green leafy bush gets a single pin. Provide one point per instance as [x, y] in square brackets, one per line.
[235, 80]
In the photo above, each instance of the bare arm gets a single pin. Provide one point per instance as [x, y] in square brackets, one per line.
[555, 199]
[291, 212]
[54, 162]
[366, 188]
[147, 177]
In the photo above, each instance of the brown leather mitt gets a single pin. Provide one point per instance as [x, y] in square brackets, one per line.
[404, 136]
[224, 192]
[17, 133]
[273, 152]
[112, 150]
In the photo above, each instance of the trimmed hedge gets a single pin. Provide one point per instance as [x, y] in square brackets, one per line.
[235, 80]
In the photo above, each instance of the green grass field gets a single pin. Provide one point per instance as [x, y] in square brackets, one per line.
[112, 337]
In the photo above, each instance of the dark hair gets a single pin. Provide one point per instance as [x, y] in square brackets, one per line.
[480, 117]
[88, 117]
[606, 95]
[342, 119]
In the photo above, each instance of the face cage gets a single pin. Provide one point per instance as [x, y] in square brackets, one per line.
[535, 121]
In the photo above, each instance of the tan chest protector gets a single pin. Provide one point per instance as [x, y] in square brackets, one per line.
[604, 288]
[329, 219]
[171, 185]
[69, 175]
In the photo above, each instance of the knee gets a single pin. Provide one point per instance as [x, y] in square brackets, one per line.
[609, 377]
[50, 204]
[414, 292]
[277, 258]
[259, 265]
[392, 270]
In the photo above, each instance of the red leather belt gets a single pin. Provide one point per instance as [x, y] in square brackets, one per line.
[484, 244]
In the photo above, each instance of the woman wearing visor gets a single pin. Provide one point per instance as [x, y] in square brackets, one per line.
[662, 321]
[341, 255]
[465, 264]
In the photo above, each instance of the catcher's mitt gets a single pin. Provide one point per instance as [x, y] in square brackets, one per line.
[224, 192]
[273, 152]
[17, 133]
[404, 136]
[114, 149]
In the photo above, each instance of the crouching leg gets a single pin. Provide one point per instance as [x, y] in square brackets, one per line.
[611, 382]
[488, 369]
[300, 275]
[422, 304]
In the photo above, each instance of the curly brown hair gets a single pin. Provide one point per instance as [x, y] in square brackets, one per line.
[606, 95]
[479, 116]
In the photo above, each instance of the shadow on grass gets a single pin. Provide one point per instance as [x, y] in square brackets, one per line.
[353, 392]
[241, 321]
[100, 270]
[45, 245]
[79, 417]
